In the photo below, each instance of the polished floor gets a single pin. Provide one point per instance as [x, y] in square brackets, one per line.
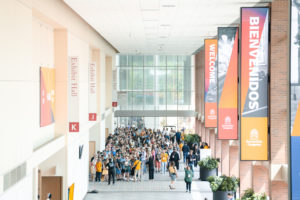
[148, 190]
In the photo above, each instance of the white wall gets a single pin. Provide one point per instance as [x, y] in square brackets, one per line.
[20, 191]
[18, 85]
[26, 40]
[43, 50]
[78, 168]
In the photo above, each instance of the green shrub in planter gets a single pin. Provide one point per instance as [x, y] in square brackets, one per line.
[209, 163]
[223, 183]
[191, 139]
[251, 195]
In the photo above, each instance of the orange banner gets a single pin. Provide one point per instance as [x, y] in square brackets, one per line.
[210, 85]
[227, 83]
[47, 96]
[254, 83]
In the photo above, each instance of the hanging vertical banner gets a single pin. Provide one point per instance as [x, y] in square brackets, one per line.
[73, 94]
[295, 100]
[210, 84]
[92, 92]
[47, 96]
[254, 83]
[227, 82]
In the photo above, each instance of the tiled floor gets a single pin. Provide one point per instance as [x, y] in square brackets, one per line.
[147, 190]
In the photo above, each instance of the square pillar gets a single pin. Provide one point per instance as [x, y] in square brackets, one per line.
[225, 157]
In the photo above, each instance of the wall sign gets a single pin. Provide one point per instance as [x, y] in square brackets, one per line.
[92, 92]
[73, 94]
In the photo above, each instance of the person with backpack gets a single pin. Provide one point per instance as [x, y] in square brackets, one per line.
[137, 171]
[174, 157]
[185, 150]
[173, 175]
[188, 178]
[111, 171]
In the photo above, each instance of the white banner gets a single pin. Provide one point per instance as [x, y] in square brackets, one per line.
[73, 94]
[92, 92]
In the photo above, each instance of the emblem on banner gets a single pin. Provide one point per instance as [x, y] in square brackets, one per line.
[212, 114]
[227, 123]
[254, 138]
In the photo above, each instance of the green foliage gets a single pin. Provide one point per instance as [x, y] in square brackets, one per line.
[209, 163]
[251, 195]
[223, 183]
[190, 139]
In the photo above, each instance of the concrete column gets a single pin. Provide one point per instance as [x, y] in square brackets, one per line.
[234, 161]
[218, 153]
[279, 90]
[245, 176]
[203, 132]
[207, 135]
[225, 157]
[279, 190]
[212, 144]
[260, 179]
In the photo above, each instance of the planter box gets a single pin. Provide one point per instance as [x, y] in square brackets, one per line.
[220, 195]
[205, 173]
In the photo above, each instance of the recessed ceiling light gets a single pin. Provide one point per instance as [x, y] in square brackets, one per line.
[165, 25]
[163, 37]
[169, 6]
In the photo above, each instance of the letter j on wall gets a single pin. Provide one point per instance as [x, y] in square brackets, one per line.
[254, 83]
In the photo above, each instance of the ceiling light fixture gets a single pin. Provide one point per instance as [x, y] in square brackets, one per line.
[169, 6]
[165, 25]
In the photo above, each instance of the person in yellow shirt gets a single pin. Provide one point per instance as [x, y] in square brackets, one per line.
[180, 150]
[137, 171]
[98, 170]
[164, 161]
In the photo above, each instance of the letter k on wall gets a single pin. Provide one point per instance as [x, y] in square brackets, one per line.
[74, 127]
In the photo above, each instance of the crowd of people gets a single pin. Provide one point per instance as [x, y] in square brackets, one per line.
[129, 153]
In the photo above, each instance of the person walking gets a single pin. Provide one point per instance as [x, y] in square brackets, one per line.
[98, 170]
[197, 155]
[150, 163]
[174, 157]
[164, 161]
[191, 158]
[185, 150]
[178, 136]
[173, 175]
[188, 178]
[111, 171]
[137, 171]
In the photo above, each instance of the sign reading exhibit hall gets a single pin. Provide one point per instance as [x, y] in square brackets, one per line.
[92, 92]
[227, 83]
[73, 94]
[254, 83]
[210, 84]
[295, 100]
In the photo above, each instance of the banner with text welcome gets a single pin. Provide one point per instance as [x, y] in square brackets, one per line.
[254, 83]
[227, 82]
[210, 85]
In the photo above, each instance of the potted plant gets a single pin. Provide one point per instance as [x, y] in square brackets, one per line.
[191, 139]
[223, 185]
[251, 195]
[208, 167]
